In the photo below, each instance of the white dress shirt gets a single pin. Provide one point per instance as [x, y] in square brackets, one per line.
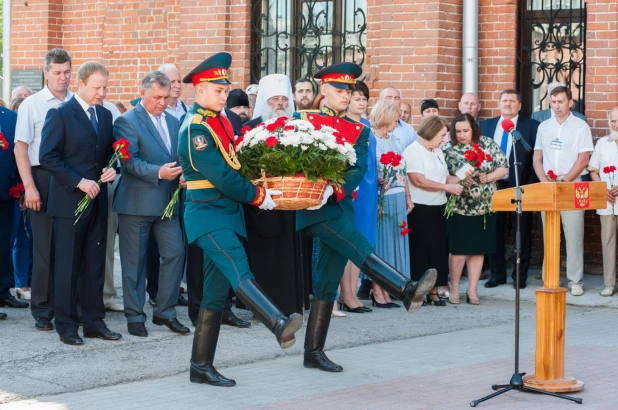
[605, 154]
[177, 112]
[562, 143]
[498, 139]
[32, 113]
[85, 107]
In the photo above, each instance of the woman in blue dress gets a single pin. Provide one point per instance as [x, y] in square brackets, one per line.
[365, 204]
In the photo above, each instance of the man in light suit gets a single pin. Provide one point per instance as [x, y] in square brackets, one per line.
[76, 146]
[149, 179]
[546, 114]
[510, 104]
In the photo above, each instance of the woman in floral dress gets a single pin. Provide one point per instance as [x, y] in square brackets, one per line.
[472, 227]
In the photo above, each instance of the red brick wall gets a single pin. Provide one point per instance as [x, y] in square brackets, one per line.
[497, 52]
[416, 47]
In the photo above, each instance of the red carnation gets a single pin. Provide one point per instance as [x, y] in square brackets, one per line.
[121, 143]
[469, 155]
[476, 147]
[403, 224]
[387, 158]
[16, 191]
[281, 120]
[289, 128]
[396, 160]
[340, 140]
[239, 140]
[404, 232]
[552, 175]
[245, 130]
[125, 155]
[606, 170]
[4, 144]
[612, 168]
[488, 158]
[271, 141]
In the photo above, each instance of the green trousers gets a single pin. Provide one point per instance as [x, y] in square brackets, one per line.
[225, 264]
[340, 241]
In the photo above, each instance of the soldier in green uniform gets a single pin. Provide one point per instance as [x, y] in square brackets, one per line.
[333, 222]
[214, 218]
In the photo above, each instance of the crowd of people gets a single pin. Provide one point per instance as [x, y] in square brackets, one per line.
[429, 210]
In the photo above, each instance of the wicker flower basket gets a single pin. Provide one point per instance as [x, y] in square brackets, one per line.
[298, 192]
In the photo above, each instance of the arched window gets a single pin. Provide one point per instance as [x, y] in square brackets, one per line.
[299, 37]
[552, 37]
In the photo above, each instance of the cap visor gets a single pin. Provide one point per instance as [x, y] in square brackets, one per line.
[221, 81]
[340, 86]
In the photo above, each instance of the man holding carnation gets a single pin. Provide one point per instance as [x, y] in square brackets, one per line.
[333, 222]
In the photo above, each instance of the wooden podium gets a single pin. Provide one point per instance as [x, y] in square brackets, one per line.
[552, 197]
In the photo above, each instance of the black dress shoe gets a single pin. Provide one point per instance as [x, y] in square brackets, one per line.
[230, 319]
[182, 301]
[493, 282]
[71, 338]
[137, 329]
[43, 323]
[13, 303]
[346, 308]
[103, 333]
[522, 285]
[3, 316]
[173, 324]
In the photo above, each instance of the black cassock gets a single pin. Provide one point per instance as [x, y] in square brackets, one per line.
[279, 258]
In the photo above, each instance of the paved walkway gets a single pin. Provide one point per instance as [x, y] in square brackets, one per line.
[442, 371]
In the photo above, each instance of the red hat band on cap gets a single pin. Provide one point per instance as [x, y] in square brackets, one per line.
[338, 78]
[211, 74]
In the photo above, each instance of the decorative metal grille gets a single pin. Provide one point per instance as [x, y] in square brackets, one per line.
[299, 37]
[552, 36]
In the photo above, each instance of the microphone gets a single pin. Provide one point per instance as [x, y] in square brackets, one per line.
[508, 126]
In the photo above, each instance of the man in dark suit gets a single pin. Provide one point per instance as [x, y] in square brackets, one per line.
[510, 104]
[76, 146]
[149, 179]
[8, 179]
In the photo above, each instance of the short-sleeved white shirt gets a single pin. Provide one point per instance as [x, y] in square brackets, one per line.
[562, 143]
[432, 165]
[30, 119]
[605, 154]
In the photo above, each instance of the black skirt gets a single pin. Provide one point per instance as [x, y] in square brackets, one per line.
[428, 242]
[472, 235]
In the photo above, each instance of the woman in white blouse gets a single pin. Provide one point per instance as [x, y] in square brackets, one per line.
[429, 181]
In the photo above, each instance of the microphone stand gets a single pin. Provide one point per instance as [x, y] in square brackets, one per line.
[516, 382]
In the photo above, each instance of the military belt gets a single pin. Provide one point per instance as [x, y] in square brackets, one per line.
[201, 184]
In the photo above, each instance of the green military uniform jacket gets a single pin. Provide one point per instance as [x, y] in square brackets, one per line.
[340, 203]
[215, 190]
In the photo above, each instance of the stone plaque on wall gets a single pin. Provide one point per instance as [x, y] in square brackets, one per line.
[32, 79]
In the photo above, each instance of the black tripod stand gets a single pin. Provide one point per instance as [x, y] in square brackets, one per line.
[516, 382]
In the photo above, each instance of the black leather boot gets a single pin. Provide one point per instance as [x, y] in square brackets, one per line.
[391, 280]
[315, 338]
[266, 312]
[204, 346]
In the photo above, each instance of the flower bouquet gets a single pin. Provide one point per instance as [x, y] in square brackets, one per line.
[121, 151]
[295, 157]
[475, 158]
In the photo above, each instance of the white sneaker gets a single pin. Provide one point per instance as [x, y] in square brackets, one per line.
[577, 289]
[114, 307]
[608, 291]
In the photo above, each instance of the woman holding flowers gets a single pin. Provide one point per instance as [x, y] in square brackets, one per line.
[471, 224]
[429, 181]
[394, 202]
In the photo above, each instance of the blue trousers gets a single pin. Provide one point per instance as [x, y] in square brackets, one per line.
[21, 240]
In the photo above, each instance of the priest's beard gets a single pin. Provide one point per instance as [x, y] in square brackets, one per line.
[613, 136]
[268, 113]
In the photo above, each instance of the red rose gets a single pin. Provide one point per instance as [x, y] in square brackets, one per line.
[289, 128]
[272, 127]
[404, 232]
[354, 195]
[271, 141]
[245, 130]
